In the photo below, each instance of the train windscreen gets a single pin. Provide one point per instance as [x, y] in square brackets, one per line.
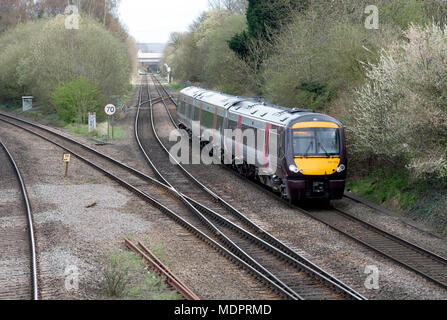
[316, 142]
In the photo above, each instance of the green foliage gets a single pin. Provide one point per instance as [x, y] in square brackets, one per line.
[74, 100]
[176, 86]
[125, 277]
[421, 200]
[118, 269]
[402, 13]
[203, 54]
[160, 252]
[39, 56]
[314, 57]
[264, 18]
[386, 186]
[15, 46]
[239, 44]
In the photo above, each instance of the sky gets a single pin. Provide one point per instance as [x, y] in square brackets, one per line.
[154, 20]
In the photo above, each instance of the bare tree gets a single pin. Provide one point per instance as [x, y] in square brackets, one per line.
[15, 11]
[235, 6]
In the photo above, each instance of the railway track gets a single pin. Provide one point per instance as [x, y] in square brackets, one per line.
[18, 270]
[147, 188]
[291, 270]
[155, 263]
[422, 261]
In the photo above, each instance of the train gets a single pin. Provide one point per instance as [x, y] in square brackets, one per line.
[307, 148]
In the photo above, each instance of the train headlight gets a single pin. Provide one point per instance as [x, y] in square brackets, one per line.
[341, 168]
[293, 168]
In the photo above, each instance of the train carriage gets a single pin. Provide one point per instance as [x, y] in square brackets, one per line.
[307, 148]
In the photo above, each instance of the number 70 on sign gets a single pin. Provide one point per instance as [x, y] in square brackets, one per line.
[110, 109]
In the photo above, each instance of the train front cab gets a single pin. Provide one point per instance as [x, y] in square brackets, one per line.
[316, 160]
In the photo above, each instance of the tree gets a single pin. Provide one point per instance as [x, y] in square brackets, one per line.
[264, 18]
[13, 12]
[39, 56]
[234, 6]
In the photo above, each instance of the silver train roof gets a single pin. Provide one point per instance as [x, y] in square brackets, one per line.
[249, 107]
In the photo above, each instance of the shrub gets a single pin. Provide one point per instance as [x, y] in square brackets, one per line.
[399, 115]
[74, 100]
[117, 272]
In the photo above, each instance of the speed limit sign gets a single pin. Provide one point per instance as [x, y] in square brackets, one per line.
[110, 109]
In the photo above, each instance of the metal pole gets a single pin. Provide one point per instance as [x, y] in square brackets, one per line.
[112, 127]
[108, 127]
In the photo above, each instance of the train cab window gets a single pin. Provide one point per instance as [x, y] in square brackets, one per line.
[316, 142]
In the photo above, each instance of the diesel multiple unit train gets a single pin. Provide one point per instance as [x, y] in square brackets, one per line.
[309, 150]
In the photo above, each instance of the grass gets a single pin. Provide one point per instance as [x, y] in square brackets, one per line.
[35, 113]
[384, 187]
[125, 277]
[159, 251]
[175, 85]
[423, 201]
[99, 133]
[9, 107]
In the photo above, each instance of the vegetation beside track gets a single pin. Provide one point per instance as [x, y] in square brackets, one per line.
[70, 72]
[387, 85]
[126, 277]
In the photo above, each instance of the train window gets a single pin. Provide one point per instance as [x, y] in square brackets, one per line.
[196, 113]
[316, 142]
[207, 119]
[191, 112]
[232, 124]
[182, 108]
[219, 123]
[187, 110]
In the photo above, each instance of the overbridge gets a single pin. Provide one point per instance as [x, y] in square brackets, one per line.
[150, 59]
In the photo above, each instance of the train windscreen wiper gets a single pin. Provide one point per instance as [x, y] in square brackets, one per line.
[310, 145]
[325, 151]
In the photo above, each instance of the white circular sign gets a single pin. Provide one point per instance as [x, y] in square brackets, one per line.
[110, 109]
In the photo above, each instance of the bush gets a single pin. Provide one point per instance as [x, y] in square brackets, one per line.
[75, 100]
[399, 115]
[125, 276]
[117, 272]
